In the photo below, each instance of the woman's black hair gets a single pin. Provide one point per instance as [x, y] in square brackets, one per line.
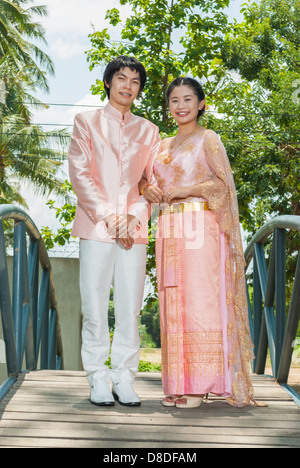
[193, 84]
[120, 63]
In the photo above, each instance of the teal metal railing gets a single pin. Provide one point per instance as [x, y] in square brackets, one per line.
[270, 326]
[30, 320]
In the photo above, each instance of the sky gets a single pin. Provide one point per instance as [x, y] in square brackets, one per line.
[68, 25]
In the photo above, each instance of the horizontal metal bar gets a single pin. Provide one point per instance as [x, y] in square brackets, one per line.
[17, 214]
[292, 393]
[291, 222]
[6, 386]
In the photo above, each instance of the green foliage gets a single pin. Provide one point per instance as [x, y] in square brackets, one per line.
[251, 74]
[65, 215]
[151, 320]
[144, 366]
[261, 113]
[149, 34]
[19, 35]
[27, 153]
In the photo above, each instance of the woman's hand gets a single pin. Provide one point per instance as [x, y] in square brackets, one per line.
[153, 194]
[178, 193]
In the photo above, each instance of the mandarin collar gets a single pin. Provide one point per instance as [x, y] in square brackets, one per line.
[113, 112]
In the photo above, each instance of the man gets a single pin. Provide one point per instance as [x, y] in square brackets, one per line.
[111, 149]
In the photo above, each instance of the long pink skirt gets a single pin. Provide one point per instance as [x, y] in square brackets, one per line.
[190, 260]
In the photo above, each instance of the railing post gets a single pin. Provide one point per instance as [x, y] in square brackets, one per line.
[52, 339]
[268, 311]
[22, 301]
[6, 311]
[18, 287]
[280, 291]
[33, 267]
[291, 329]
[257, 316]
[43, 318]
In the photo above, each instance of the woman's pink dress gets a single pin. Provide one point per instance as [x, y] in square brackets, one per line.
[193, 253]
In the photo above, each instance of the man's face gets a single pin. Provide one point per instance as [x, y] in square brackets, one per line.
[124, 88]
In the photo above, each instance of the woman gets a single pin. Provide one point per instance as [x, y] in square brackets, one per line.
[206, 344]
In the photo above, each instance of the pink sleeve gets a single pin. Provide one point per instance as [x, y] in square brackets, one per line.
[141, 209]
[89, 195]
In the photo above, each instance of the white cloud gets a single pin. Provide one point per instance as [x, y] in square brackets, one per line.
[69, 23]
[88, 100]
[75, 16]
[59, 116]
[65, 48]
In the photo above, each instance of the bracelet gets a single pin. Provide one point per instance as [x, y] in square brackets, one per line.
[144, 187]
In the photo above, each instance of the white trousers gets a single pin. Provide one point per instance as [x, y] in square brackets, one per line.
[102, 266]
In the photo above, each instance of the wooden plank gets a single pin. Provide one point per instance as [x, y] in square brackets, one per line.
[133, 447]
[160, 420]
[140, 431]
[155, 434]
[52, 409]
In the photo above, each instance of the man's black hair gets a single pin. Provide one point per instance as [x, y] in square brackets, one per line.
[120, 63]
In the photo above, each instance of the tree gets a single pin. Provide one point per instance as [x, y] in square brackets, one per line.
[262, 112]
[149, 34]
[17, 30]
[26, 151]
[249, 71]
[265, 51]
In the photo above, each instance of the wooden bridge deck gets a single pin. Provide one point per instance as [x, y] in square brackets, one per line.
[51, 409]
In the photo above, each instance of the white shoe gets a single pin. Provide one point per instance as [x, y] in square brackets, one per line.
[170, 400]
[125, 395]
[101, 394]
[188, 402]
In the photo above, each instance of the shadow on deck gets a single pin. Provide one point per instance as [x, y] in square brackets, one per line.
[52, 409]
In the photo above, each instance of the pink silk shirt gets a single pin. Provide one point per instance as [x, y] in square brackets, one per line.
[108, 156]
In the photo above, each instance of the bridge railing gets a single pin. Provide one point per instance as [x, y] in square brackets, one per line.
[30, 320]
[270, 326]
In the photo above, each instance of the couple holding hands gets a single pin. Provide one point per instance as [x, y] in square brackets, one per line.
[119, 167]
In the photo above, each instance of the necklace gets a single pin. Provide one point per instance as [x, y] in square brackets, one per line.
[172, 148]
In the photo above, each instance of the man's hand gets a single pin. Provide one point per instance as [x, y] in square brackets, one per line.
[127, 242]
[111, 224]
[126, 224]
[121, 227]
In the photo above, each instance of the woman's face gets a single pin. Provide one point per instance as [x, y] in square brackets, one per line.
[184, 104]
